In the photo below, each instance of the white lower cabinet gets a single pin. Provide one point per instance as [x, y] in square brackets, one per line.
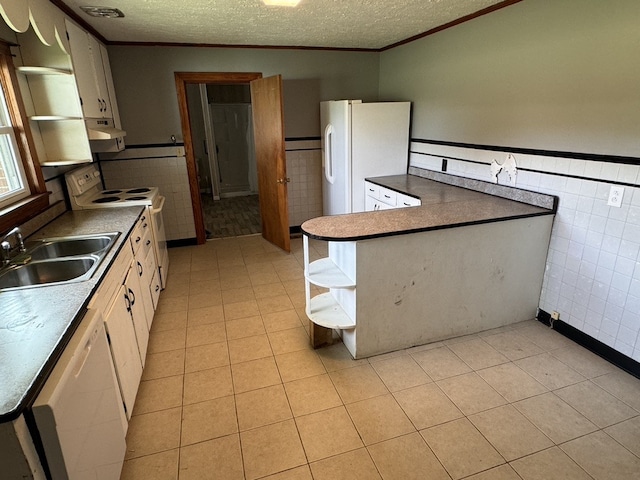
[155, 285]
[388, 196]
[407, 201]
[382, 198]
[145, 266]
[123, 308]
[145, 278]
[134, 297]
[123, 299]
[124, 348]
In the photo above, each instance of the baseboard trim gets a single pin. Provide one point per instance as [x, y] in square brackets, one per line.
[183, 242]
[295, 231]
[596, 346]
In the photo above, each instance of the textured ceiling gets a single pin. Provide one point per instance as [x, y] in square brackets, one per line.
[369, 24]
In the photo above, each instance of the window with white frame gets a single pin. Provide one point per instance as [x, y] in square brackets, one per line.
[13, 182]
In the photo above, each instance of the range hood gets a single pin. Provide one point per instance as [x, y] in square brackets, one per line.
[103, 129]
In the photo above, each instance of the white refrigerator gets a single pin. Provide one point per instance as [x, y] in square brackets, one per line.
[360, 140]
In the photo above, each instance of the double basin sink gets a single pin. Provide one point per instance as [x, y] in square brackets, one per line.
[56, 260]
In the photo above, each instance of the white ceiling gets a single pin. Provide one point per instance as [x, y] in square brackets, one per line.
[369, 24]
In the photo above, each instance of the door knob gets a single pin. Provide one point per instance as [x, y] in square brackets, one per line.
[283, 180]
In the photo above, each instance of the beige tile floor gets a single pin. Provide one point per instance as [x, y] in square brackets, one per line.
[232, 390]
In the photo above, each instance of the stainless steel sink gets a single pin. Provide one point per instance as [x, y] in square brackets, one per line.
[71, 246]
[50, 271]
[57, 260]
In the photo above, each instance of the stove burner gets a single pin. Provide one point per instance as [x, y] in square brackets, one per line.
[135, 198]
[111, 192]
[106, 200]
[139, 190]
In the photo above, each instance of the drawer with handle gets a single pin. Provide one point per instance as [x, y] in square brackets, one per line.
[372, 190]
[407, 201]
[388, 196]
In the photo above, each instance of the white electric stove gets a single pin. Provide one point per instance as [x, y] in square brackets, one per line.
[119, 198]
[86, 191]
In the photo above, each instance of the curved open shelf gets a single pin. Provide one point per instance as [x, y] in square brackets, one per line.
[49, 118]
[28, 70]
[323, 310]
[62, 163]
[327, 274]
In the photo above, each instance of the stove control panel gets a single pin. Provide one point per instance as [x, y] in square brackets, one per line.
[83, 179]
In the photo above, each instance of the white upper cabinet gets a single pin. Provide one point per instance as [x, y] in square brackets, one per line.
[89, 71]
[109, 87]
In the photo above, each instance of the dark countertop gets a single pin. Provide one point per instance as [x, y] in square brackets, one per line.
[36, 323]
[456, 206]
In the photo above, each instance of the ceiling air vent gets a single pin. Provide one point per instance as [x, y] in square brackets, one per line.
[105, 12]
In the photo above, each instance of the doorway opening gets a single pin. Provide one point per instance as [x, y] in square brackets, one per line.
[192, 106]
[268, 123]
[224, 153]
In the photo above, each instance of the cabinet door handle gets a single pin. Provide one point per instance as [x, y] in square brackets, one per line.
[387, 196]
[133, 297]
[157, 287]
[128, 302]
[138, 239]
[148, 242]
[139, 269]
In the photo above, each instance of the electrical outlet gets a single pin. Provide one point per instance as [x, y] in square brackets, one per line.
[555, 316]
[615, 196]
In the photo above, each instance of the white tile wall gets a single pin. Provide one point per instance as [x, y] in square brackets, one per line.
[592, 273]
[170, 176]
[304, 168]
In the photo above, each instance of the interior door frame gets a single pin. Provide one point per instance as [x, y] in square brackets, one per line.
[210, 140]
[182, 79]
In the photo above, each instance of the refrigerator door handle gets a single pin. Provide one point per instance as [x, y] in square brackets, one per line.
[328, 153]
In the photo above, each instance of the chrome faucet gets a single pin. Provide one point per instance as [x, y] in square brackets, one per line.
[6, 245]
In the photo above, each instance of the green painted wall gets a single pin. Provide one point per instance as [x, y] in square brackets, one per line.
[558, 75]
[145, 85]
[562, 75]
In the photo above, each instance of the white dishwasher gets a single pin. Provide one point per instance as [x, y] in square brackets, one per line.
[79, 412]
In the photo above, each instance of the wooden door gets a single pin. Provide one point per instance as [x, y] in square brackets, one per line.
[268, 128]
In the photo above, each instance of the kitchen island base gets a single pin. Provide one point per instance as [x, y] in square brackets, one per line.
[423, 287]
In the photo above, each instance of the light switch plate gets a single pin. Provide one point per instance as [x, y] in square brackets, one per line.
[615, 196]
